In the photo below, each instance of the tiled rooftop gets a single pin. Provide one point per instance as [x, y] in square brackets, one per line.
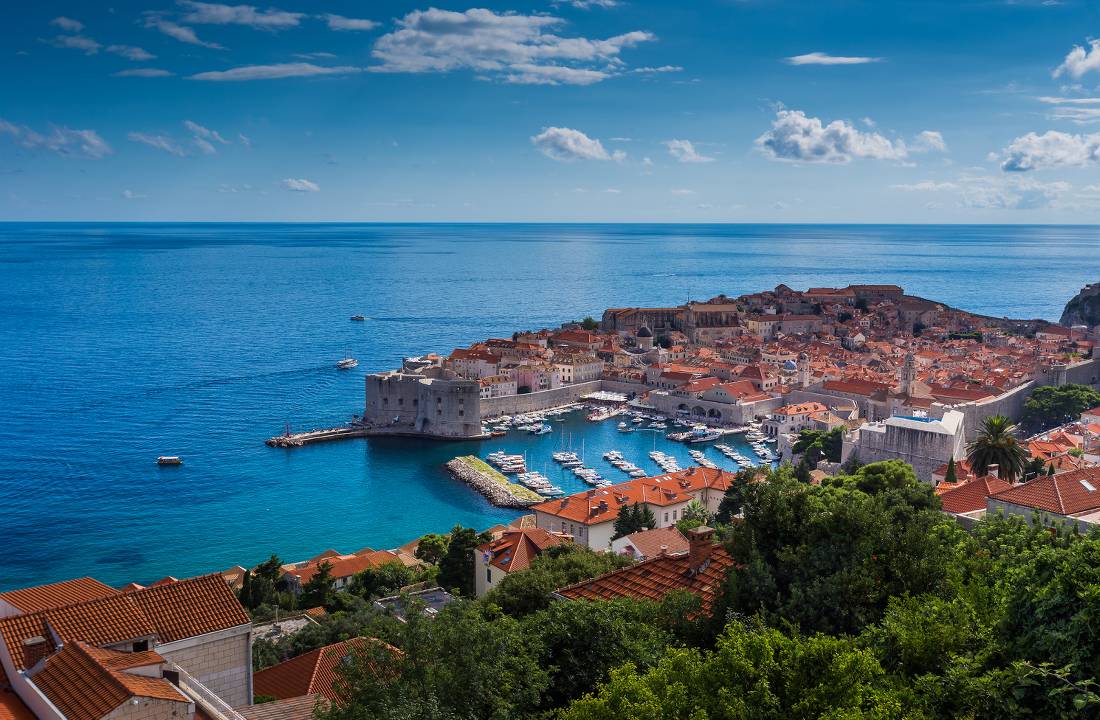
[41, 597]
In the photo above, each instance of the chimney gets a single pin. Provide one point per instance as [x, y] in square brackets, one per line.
[994, 470]
[34, 649]
[700, 546]
[664, 551]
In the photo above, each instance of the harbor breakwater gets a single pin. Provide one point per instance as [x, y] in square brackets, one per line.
[492, 485]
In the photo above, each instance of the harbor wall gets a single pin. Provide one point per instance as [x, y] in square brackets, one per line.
[541, 400]
[711, 412]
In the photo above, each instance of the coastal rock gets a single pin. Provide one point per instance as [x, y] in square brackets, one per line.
[1084, 308]
[494, 493]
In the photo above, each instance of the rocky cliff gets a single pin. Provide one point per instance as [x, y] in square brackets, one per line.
[1084, 309]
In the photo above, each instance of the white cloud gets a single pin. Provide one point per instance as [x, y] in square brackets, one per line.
[143, 73]
[339, 22]
[685, 152]
[506, 46]
[929, 141]
[657, 70]
[926, 186]
[61, 140]
[1080, 61]
[155, 21]
[984, 192]
[820, 58]
[274, 72]
[1079, 110]
[1051, 149]
[204, 133]
[160, 142]
[682, 191]
[315, 55]
[566, 144]
[589, 4]
[245, 140]
[67, 24]
[301, 185]
[613, 191]
[131, 53]
[76, 42]
[797, 138]
[202, 13]
[131, 195]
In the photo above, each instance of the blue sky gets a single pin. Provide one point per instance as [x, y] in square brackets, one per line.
[579, 110]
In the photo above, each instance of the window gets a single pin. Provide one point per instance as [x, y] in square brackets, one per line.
[461, 401]
[674, 514]
[461, 413]
[400, 401]
[141, 646]
[488, 574]
[385, 401]
[666, 517]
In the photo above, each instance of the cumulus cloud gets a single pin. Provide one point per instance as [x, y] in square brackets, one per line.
[685, 152]
[566, 144]
[1080, 61]
[61, 140]
[820, 58]
[76, 42]
[795, 137]
[155, 21]
[143, 73]
[130, 52]
[202, 13]
[1051, 149]
[301, 185]
[339, 22]
[274, 72]
[67, 24]
[160, 142]
[505, 46]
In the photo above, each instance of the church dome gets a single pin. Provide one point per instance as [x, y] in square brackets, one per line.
[644, 332]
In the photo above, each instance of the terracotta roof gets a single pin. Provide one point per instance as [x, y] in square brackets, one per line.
[311, 673]
[971, 496]
[515, 549]
[1068, 493]
[296, 708]
[172, 612]
[648, 543]
[11, 707]
[315, 612]
[76, 681]
[593, 507]
[655, 578]
[41, 597]
[344, 565]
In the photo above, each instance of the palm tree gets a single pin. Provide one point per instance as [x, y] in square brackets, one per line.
[996, 444]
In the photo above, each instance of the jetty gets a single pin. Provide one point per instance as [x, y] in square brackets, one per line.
[496, 488]
[293, 440]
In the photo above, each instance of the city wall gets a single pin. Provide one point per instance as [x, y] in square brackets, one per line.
[541, 400]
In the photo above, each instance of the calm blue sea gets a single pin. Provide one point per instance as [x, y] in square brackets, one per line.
[121, 342]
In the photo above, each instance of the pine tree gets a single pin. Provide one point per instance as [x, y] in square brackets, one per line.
[245, 595]
[951, 476]
[646, 520]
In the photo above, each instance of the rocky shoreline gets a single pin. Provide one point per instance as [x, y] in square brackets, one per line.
[492, 491]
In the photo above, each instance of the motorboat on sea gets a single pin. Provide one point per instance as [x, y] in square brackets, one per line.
[169, 460]
[347, 363]
[704, 434]
[358, 318]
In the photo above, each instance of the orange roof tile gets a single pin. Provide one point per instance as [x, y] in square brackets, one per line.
[654, 578]
[172, 612]
[345, 565]
[649, 543]
[11, 707]
[298, 708]
[78, 684]
[311, 673]
[971, 496]
[515, 549]
[41, 597]
[1065, 494]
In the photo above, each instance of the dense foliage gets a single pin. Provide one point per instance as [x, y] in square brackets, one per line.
[854, 599]
[814, 445]
[996, 444]
[633, 518]
[1050, 406]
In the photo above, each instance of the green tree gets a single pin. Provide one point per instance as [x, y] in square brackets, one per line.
[383, 580]
[527, 591]
[829, 558]
[1051, 406]
[754, 673]
[590, 324]
[456, 568]
[996, 444]
[951, 476]
[633, 518]
[1033, 468]
[319, 591]
[432, 547]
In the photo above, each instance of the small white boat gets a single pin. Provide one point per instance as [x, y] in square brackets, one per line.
[347, 363]
[169, 460]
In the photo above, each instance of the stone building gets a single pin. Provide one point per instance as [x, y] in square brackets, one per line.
[926, 443]
[432, 401]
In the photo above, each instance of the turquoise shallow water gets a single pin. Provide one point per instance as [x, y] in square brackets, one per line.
[119, 343]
